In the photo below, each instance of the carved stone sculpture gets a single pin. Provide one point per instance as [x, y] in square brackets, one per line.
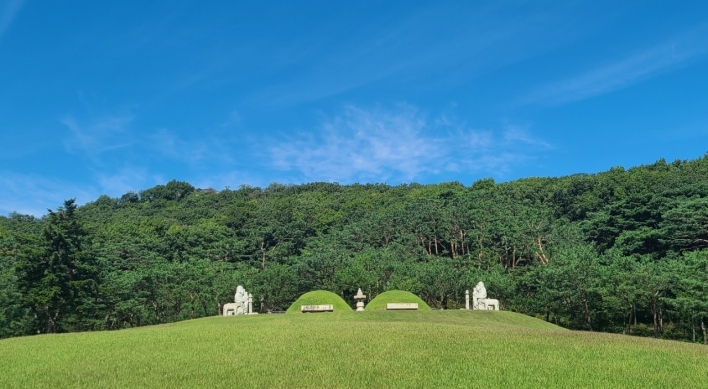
[479, 292]
[480, 300]
[241, 299]
[359, 297]
[241, 305]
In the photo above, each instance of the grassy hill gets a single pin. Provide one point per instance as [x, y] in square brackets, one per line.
[445, 349]
[320, 297]
[395, 296]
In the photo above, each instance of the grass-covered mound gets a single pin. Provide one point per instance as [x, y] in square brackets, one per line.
[320, 297]
[395, 296]
[380, 349]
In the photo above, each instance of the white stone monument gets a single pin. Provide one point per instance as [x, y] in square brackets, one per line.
[317, 308]
[467, 299]
[480, 300]
[401, 306]
[242, 305]
[359, 297]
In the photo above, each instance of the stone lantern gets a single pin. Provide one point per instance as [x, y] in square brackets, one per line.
[359, 301]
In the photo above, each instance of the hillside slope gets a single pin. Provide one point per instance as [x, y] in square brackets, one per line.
[445, 349]
[585, 251]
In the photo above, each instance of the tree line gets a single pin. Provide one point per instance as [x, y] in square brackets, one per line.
[622, 251]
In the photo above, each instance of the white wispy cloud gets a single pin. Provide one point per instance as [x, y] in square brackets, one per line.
[99, 135]
[124, 180]
[8, 11]
[95, 137]
[34, 194]
[401, 145]
[433, 45]
[192, 151]
[641, 65]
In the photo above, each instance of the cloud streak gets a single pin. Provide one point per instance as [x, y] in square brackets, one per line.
[627, 71]
[107, 133]
[398, 145]
[414, 49]
[33, 194]
[125, 180]
[103, 134]
[192, 151]
[8, 13]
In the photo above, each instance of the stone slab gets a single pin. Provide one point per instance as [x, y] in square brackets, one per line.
[317, 308]
[401, 306]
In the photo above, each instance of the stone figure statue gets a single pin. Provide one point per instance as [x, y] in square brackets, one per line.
[479, 292]
[241, 299]
[240, 306]
[480, 300]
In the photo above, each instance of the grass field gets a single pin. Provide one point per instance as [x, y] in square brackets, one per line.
[413, 349]
[395, 296]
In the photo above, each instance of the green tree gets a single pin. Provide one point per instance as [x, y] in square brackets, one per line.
[692, 289]
[57, 277]
[12, 315]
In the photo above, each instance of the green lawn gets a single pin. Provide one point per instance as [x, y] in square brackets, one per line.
[411, 349]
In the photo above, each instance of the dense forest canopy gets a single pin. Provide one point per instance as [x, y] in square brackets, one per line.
[620, 251]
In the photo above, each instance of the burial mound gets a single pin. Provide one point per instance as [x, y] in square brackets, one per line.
[320, 297]
[395, 296]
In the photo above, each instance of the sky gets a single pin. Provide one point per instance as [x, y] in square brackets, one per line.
[110, 97]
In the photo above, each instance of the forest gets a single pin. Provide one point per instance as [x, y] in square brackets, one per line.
[622, 251]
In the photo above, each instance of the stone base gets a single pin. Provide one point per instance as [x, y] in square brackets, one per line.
[360, 306]
[488, 304]
[234, 309]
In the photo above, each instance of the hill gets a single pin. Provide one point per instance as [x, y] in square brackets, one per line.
[431, 349]
[320, 297]
[379, 302]
[615, 251]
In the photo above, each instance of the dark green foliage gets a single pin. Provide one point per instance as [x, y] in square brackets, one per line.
[56, 276]
[619, 251]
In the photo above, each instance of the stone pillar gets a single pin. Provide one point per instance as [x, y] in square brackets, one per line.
[467, 299]
[250, 304]
[359, 297]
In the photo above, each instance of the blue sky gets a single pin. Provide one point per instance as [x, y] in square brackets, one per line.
[108, 97]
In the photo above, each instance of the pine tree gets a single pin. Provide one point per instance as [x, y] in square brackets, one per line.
[56, 274]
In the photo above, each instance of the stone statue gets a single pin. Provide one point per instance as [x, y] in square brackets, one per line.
[480, 300]
[240, 306]
[479, 292]
[241, 299]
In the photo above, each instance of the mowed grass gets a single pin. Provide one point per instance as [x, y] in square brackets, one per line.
[395, 296]
[410, 349]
